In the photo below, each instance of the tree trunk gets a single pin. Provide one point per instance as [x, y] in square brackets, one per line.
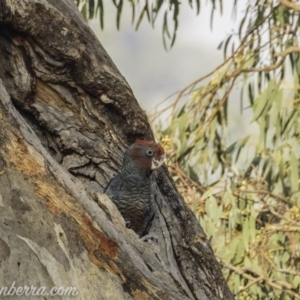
[67, 116]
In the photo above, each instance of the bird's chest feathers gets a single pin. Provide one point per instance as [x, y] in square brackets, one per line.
[136, 183]
[135, 198]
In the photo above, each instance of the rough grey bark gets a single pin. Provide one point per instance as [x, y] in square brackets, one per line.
[67, 115]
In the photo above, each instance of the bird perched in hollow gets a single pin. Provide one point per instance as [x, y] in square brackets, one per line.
[130, 190]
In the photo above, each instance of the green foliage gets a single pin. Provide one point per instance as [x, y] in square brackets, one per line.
[169, 10]
[245, 191]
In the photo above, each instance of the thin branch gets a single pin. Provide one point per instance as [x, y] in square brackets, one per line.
[279, 285]
[282, 54]
[290, 4]
[270, 194]
[259, 279]
[235, 74]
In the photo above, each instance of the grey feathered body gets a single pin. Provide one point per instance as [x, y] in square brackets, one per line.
[131, 193]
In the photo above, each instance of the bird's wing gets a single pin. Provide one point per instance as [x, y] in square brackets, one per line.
[114, 187]
[148, 218]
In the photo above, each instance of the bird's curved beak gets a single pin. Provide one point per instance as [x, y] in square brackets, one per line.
[157, 161]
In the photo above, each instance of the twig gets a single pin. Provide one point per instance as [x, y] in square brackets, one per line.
[290, 4]
[279, 285]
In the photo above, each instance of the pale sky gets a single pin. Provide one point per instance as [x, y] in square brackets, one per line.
[151, 71]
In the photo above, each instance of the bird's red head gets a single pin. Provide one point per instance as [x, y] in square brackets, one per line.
[147, 155]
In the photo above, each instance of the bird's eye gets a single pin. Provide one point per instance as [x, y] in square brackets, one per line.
[149, 152]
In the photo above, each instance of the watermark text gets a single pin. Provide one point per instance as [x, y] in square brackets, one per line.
[31, 290]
